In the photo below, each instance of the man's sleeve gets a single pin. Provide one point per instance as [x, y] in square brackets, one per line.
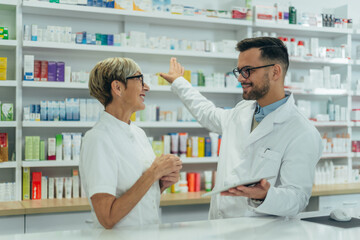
[203, 110]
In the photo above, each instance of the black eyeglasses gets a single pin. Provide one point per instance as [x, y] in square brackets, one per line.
[245, 71]
[141, 77]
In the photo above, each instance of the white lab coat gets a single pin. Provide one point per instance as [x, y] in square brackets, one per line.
[285, 144]
[113, 157]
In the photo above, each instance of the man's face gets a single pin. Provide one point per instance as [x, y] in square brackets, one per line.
[258, 84]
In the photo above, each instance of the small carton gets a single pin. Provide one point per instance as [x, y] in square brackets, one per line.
[7, 112]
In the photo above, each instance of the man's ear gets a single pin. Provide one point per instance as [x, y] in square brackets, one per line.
[277, 72]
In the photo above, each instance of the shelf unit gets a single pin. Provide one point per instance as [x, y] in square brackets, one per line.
[7, 124]
[238, 29]
[8, 164]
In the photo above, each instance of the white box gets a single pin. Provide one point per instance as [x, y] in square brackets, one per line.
[264, 14]
[29, 67]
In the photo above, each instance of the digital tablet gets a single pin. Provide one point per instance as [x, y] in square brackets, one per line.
[247, 183]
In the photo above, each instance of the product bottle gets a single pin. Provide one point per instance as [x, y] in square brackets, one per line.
[301, 49]
[331, 109]
[292, 15]
[293, 47]
[287, 43]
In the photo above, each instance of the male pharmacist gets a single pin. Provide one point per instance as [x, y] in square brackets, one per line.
[264, 135]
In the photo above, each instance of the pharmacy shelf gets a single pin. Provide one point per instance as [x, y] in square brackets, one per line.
[335, 155]
[200, 89]
[321, 61]
[7, 123]
[355, 154]
[50, 163]
[356, 34]
[356, 124]
[7, 44]
[8, 2]
[61, 85]
[61, 124]
[286, 29]
[195, 160]
[8, 164]
[320, 92]
[8, 83]
[332, 124]
[168, 124]
[48, 9]
[79, 124]
[71, 47]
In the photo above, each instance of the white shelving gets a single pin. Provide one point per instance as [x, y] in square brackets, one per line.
[130, 50]
[355, 154]
[50, 163]
[199, 160]
[8, 83]
[78, 124]
[43, 8]
[320, 92]
[8, 165]
[335, 155]
[332, 124]
[304, 31]
[8, 44]
[356, 124]
[12, 3]
[33, 84]
[7, 123]
[31, 11]
[58, 124]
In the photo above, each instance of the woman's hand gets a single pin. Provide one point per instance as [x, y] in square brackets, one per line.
[168, 180]
[165, 165]
[175, 71]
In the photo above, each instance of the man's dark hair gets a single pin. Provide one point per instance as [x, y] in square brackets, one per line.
[272, 50]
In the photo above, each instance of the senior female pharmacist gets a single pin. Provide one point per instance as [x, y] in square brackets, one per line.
[121, 176]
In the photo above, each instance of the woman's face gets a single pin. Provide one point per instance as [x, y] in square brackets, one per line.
[134, 94]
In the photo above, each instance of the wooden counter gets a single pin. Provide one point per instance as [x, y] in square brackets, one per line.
[82, 204]
[11, 208]
[191, 198]
[56, 205]
[335, 189]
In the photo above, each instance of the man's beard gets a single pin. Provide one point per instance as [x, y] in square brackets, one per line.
[258, 92]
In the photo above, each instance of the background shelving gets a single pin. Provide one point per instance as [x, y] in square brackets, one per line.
[153, 60]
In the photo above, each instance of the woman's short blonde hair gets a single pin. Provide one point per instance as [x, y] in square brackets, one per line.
[105, 72]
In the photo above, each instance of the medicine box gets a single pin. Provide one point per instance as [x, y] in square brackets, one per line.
[7, 112]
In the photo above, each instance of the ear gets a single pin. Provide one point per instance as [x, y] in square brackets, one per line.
[277, 72]
[117, 88]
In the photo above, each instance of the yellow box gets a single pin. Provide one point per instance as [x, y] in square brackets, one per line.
[3, 62]
[142, 5]
[2, 73]
[201, 147]
[26, 183]
[123, 4]
[187, 75]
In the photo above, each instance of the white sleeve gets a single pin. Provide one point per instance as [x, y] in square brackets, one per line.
[203, 110]
[98, 164]
[296, 177]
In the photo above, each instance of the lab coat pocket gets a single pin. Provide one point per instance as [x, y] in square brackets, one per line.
[267, 163]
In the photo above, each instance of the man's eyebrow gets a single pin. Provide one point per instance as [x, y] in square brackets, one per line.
[247, 66]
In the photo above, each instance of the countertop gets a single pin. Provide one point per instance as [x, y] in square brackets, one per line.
[236, 228]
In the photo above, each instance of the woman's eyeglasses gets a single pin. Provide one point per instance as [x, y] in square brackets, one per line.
[140, 77]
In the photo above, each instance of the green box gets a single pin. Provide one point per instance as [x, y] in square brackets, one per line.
[36, 147]
[42, 150]
[26, 183]
[29, 148]
[7, 112]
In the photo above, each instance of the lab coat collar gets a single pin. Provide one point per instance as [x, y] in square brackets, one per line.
[115, 123]
[267, 124]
